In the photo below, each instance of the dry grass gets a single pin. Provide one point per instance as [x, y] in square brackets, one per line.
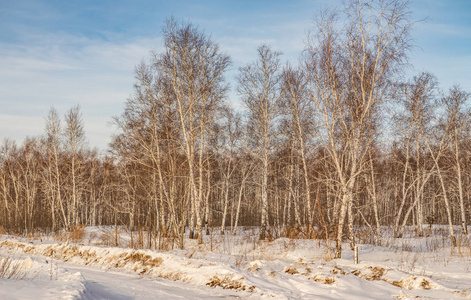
[146, 261]
[137, 259]
[10, 268]
[108, 239]
[240, 260]
[288, 245]
[320, 278]
[338, 270]
[166, 243]
[15, 269]
[365, 235]
[413, 282]
[74, 235]
[291, 270]
[77, 233]
[229, 283]
[302, 232]
[371, 273]
[298, 267]
[464, 245]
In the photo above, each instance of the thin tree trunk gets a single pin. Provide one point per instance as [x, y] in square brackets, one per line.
[460, 184]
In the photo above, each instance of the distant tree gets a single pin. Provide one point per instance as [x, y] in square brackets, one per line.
[458, 119]
[299, 113]
[74, 136]
[54, 176]
[417, 100]
[260, 86]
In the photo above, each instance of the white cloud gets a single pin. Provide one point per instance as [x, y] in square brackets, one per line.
[98, 130]
[62, 71]
[18, 127]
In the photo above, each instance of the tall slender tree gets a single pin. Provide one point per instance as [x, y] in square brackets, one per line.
[260, 86]
[74, 135]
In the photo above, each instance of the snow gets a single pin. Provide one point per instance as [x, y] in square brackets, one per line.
[236, 266]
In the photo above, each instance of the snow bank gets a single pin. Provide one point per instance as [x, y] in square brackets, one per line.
[195, 271]
[29, 279]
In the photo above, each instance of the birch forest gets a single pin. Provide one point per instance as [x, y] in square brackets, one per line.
[319, 148]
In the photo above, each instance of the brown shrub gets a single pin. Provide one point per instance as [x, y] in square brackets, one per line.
[107, 239]
[301, 232]
[76, 233]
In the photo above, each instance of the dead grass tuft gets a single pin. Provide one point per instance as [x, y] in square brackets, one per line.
[405, 296]
[291, 270]
[413, 283]
[15, 269]
[462, 293]
[323, 279]
[10, 268]
[229, 283]
[338, 270]
[176, 276]
[146, 261]
[371, 273]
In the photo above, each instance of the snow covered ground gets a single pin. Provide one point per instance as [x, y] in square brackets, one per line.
[234, 267]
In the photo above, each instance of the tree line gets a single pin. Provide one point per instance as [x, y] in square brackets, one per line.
[334, 140]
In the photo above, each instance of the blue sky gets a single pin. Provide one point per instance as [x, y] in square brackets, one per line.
[60, 53]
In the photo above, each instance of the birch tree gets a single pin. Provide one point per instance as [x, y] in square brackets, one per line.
[458, 116]
[143, 125]
[54, 148]
[299, 112]
[193, 67]
[417, 100]
[350, 72]
[259, 84]
[74, 135]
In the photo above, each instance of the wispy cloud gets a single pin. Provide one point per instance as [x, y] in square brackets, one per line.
[97, 74]
[18, 127]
